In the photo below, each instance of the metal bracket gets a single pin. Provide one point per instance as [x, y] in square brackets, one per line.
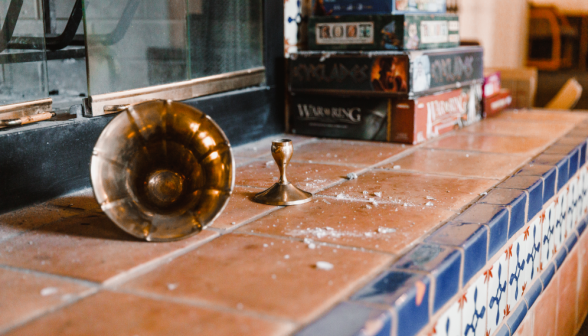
[26, 113]
[109, 103]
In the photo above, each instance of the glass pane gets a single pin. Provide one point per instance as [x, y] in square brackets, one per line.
[135, 43]
[23, 67]
[225, 36]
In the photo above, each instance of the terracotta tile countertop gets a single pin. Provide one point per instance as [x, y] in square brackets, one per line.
[65, 269]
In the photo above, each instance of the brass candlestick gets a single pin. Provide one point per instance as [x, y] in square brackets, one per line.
[283, 192]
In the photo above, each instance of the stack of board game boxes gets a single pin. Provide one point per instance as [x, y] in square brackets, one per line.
[496, 98]
[383, 70]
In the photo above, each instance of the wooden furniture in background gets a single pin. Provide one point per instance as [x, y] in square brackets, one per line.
[567, 97]
[550, 33]
[522, 83]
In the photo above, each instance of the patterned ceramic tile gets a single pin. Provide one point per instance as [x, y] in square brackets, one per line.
[515, 200]
[495, 217]
[549, 175]
[533, 293]
[296, 14]
[497, 276]
[449, 324]
[472, 240]
[571, 242]
[351, 319]
[547, 274]
[406, 293]
[574, 156]
[517, 316]
[582, 226]
[560, 257]
[560, 220]
[578, 186]
[534, 187]
[561, 161]
[548, 221]
[474, 308]
[571, 206]
[517, 282]
[532, 237]
[583, 191]
[444, 265]
[504, 331]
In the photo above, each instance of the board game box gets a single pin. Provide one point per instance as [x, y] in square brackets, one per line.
[404, 74]
[354, 7]
[408, 121]
[497, 103]
[383, 32]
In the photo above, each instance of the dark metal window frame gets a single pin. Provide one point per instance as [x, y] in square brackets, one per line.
[44, 161]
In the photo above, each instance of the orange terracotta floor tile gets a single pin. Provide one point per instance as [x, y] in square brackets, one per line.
[87, 247]
[546, 309]
[263, 147]
[25, 295]
[567, 305]
[108, 313]
[356, 153]
[543, 115]
[19, 221]
[385, 227]
[414, 189]
[526, 327]
[240, 208]
[461, 163]
[265, 275]
[310, 177]
[516, 128]
[493, 143]
[82, 200]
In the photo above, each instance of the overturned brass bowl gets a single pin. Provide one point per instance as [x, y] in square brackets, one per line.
[162, 170]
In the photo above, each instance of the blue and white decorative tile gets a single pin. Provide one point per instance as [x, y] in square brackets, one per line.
[351, 319]
[516, 255]
[561, 218]
[449, 324]
[532, 237]
[474, 308]
[577, 200]
[496, 276]
[569, 226]
[495, 218]
[406, 293]
[548, 221]
[584, 190]
[296, 13]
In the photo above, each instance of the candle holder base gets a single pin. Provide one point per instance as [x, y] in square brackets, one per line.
[283, 194]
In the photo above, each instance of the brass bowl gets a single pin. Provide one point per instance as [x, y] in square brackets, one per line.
[162, 170]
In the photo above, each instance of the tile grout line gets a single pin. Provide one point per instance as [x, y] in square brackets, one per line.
[199, 303]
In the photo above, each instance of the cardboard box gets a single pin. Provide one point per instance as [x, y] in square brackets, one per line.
[355, 7]
[383, 32]
[497, 103]
[408, 121]
[403, 74]
[522, 83]
[491, 83]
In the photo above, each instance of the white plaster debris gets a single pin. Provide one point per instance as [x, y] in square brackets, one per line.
[484, 194]
[286, 257]
[341, 196]
[269, 163]
[265, 245]
[322, 233]
[351, 176]
[172, 287]
[431, 198]
[397, 167]
[369, 234]
[324, 200]
[378, 194]
[233, 223]
[385, 230]
[367, 206]
[430, 204]
[325, 266]
[49, 291]
[365, 192]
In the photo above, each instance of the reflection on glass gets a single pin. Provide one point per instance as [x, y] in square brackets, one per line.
[135, 43]
[23, 72]
[225, 36]
[139, 43]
